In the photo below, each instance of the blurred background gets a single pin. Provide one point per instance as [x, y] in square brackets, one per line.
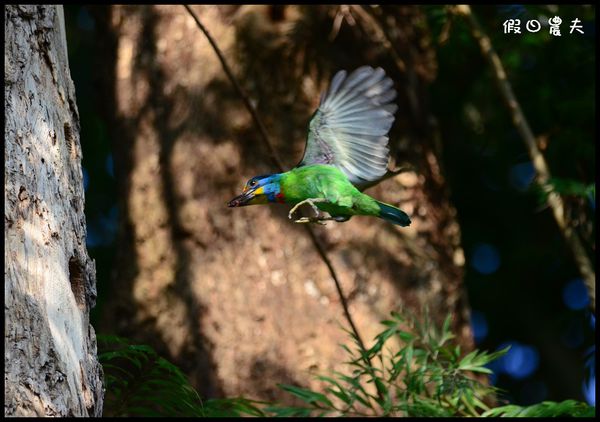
[237, 298]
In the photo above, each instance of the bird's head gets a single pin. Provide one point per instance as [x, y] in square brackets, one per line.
[259, 190]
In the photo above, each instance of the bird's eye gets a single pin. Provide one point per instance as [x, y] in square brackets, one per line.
[253, 183]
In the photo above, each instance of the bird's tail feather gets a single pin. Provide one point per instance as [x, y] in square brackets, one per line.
[393, 215]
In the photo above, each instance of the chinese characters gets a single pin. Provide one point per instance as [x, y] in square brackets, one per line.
[513, 26]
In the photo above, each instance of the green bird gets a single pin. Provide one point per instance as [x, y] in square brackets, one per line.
[346, 149]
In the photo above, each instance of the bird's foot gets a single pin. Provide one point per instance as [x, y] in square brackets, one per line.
[311, 202]
[315, 220]
[321, 220]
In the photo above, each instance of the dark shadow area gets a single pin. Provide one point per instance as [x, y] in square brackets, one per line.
[197, 357]
[263, 371]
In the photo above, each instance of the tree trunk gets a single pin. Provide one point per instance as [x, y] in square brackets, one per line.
[239, 298]
[50, 360]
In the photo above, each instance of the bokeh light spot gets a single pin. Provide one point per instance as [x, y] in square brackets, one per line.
[485, 258]
[589, 390]
[479, 325]
[521, 360]
[86, 178]
[521, 175]
[575, 295]
[110, 165]
[102, 230]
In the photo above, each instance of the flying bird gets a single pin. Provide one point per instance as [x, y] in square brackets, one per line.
[346, 148]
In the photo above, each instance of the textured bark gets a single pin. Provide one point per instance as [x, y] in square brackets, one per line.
[50, 361]
[239, 298]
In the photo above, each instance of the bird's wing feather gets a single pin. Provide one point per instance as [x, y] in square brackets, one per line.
[349, 129]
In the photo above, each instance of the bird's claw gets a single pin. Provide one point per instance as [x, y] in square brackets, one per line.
[315, 220]
[306, 201]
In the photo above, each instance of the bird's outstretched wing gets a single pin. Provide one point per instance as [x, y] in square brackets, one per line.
[349, 129]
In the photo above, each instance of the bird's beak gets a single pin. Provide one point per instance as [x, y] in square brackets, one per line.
[241, 200]
[249, 197]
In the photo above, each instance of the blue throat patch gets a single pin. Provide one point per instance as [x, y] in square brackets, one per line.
[272, 188]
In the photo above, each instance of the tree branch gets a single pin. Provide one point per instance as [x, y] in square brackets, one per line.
[539, 162]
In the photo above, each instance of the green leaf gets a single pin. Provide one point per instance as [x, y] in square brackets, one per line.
[476, 360]
[285, 412]
[545, 409]
[340, 393]
[566, 187]
[306, 395]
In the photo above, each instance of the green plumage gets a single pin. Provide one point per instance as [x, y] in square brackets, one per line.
[346, 147]
[328, 182]
[344, 199]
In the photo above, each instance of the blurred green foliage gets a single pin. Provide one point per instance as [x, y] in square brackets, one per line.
[138, 382]
[427, 375]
